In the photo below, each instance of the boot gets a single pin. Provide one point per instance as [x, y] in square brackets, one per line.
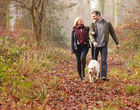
[83, 64]
[79, 70]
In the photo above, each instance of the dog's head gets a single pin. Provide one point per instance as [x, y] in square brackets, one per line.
[92, 70]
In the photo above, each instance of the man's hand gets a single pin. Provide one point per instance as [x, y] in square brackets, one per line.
[72, 53]
[95, 44]
[92, 33]
[118, 46]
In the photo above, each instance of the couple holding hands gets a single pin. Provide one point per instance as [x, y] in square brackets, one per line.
[96, 36]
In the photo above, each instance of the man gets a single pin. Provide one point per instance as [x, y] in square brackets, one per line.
[99, 37]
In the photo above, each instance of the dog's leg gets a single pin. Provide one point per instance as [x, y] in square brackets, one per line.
[98, 76]
[95, 76]
[90, 78]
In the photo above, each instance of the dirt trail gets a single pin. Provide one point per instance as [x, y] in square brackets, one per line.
[72, 94]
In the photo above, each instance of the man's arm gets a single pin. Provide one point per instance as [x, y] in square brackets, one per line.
[113, 34]
[91, 33]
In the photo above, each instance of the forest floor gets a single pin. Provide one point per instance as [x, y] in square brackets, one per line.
[62, 89]
[65, 90]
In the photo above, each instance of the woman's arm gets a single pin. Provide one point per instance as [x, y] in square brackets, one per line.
[72, 42]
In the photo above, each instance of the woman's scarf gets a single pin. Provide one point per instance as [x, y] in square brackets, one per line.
[81, 34]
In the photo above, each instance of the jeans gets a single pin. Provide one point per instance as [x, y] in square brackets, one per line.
[103, 51]
[81, 53]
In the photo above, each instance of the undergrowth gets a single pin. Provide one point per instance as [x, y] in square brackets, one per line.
[127, 58]
[21, 68]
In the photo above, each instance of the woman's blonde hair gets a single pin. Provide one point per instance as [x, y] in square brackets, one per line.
[76, 21]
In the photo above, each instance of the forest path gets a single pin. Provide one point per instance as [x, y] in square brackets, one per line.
[67, 92]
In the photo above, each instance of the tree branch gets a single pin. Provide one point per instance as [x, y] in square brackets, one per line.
[21, 4]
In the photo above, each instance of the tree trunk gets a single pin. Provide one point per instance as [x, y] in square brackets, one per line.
[118, 12]
[37, 19]
[37, 29]
[7, 15]
[101, 4]
[38, 33]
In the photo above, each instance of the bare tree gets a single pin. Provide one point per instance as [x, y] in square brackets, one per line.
[4, 13]
[101, 4]
[118, 11]
[36, 8]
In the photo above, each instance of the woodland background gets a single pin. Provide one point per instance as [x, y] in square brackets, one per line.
[37, 71]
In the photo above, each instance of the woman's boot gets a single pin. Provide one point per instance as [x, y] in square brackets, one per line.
[79, 70]
[83, 64]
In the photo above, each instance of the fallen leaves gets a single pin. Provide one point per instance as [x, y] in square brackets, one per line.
[64, 90]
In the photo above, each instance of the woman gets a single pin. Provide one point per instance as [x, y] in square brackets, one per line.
[80, 45]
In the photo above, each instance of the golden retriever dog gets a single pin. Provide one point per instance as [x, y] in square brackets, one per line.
[93, 70]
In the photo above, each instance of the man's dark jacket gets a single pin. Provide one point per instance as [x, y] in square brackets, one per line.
[108, 29]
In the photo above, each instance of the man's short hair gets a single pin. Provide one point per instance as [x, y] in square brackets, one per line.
[96, 12]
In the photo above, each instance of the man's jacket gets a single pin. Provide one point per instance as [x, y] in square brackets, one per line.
[108, 29]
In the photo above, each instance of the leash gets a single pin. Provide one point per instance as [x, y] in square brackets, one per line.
[94, 52]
